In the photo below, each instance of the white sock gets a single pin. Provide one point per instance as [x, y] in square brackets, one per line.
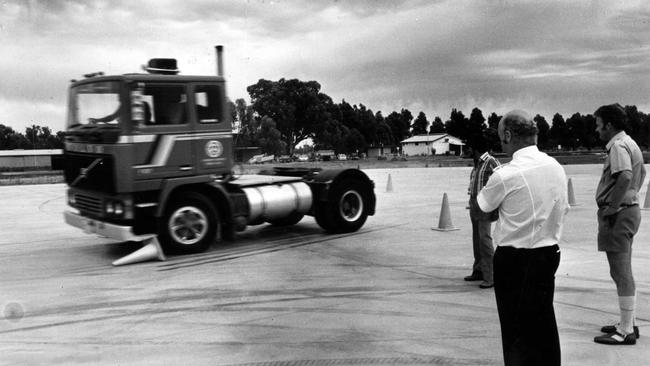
[627, 305]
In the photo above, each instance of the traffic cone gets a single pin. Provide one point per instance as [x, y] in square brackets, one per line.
[646, 204]
[572, 198]
[444, 223]
[151, 250]
[389, 184]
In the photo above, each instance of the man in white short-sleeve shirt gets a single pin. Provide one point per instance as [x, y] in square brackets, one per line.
[530, 193]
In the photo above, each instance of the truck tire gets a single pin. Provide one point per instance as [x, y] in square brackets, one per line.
[289, 220]
[346, 209]
[189, 225]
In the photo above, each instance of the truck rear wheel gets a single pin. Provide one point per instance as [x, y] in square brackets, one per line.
[189, 225]
[346, 209]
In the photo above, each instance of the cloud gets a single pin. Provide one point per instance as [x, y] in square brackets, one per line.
[545, 57]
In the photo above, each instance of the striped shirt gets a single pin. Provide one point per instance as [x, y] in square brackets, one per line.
[481, 173]
[478, 178]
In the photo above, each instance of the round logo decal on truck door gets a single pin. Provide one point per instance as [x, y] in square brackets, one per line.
[213, 148]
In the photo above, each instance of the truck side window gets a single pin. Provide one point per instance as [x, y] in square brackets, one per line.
[167, 104]
[208, 107]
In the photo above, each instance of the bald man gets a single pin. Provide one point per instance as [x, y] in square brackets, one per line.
[530, 193]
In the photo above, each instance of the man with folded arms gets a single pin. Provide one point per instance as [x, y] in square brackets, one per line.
[619, 216]
[530, 193]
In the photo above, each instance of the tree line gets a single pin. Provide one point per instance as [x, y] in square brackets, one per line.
[35, 137]
[285, 112]
[282, 113]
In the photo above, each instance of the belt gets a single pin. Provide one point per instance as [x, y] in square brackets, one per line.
[623, 205]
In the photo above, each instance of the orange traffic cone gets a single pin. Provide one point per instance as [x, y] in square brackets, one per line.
[444, 223]
[646, 204]
[151, 250]
[572, 198]
[389, 184]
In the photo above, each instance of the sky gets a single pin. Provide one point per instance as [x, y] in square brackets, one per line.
[541, 56]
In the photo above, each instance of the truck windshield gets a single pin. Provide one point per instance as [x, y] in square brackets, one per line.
[97, 103]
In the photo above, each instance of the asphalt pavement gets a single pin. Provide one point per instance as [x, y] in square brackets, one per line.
[391, 294]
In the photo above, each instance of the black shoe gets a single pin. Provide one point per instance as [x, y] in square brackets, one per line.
[486, 284]
[474, 277]
[612, 328]
[616, 338]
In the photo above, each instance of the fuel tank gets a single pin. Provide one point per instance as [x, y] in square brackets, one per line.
[276, 201]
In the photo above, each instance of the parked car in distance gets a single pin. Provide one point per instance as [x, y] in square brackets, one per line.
[342, 157]
[255, 159]
[303, 157]
[261, 159]
[285, 159]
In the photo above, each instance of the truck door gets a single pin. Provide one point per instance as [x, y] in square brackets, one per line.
[168, 151]
[213, 147]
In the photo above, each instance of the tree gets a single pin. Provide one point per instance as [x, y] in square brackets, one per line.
[369, 127]
[384, 133]
[247, 125]
[437, 126]
[420, 124]
[475, 129]
[645, 130]
[400, 125]
[295, 106]
[558, 131]
[590, 138]
[330, 135]
[542, 131]
[635, 125]
[576, 131]
[493, 121]
[457, 125]
[353, 141]
[270, 137]
[6, 137]
[492, 134]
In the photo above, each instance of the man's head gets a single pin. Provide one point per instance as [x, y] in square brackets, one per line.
[516, 130]
[610, 120]
[479, 146]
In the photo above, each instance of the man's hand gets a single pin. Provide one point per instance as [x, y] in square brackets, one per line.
[609, 214]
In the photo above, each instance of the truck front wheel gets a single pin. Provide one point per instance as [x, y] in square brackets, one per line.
[346, 209]
[189, 225]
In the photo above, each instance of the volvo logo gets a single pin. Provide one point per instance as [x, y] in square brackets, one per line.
[213, 148]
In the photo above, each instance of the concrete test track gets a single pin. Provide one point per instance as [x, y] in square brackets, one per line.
[391, 294]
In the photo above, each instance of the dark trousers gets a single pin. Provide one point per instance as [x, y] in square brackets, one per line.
[483, 249]
[524, 284]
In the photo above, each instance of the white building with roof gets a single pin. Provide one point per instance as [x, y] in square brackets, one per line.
[435, 144]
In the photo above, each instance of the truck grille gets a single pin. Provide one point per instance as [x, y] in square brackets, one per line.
[88, 204]
[99, 178]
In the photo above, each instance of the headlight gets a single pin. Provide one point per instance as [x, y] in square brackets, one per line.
[71, 199]
[119, 208]
[109, 208]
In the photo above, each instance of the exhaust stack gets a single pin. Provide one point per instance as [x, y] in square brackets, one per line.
[219, 51]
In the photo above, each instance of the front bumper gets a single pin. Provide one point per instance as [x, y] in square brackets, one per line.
[92, 226]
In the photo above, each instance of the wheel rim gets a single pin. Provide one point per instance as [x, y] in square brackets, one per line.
[188, 225]
[351, 206]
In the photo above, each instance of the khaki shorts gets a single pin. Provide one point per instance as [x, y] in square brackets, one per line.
[616, 232]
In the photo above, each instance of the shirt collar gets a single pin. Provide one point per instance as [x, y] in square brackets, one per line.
[616, 137]
[528, 150]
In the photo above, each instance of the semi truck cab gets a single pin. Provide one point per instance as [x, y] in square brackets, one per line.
[152, 154]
